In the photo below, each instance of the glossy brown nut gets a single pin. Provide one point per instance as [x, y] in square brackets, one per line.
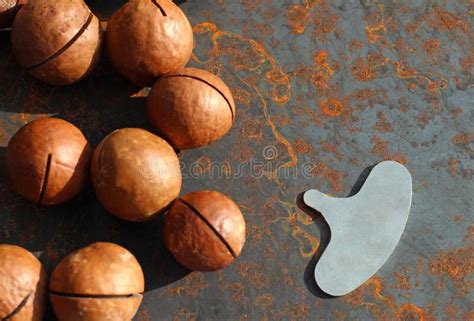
[100, 282]
[23, 285]
[57, 41]
[8, 11]
[136, 174]
[148, 38]
[191, 108]
[47, 161]
[204, 230]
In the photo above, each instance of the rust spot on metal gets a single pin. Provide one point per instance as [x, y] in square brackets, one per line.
[332, 107]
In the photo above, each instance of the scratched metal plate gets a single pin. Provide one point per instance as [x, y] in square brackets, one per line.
[324, 89]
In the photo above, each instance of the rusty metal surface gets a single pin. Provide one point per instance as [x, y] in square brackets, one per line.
[324, 89]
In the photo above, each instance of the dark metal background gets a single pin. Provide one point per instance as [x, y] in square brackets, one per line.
[324, 89]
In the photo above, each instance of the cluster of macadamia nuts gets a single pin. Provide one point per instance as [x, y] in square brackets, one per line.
[101, 282]
[135, 174]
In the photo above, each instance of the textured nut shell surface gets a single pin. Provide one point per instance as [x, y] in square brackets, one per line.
[98, 269]
[27, 156]
[136, 174]
[21, 274]
[191, 108]
[143, 44]
[193, 243]
[76, 62]
[43, 27]
[223, 214]
[95, 309]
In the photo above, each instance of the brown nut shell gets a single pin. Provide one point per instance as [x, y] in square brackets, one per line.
[204, 230]
[148, 38]
[57, 41]
[47, 161]
[98, 269]
[8, 10]
[23, 285]
[136, 174]
[191, 108]
[95, 309]
[102, 281]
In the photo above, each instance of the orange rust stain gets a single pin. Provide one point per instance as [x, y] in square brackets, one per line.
[193, 285]
[454, 264]
[237, 289]
[325, 21]
[264, 300]
[282, 120]
[402, 280]
[302, 147]
[399, 157]
[308, 244]
[463, 138]
[469, 233]
[242, 96]
[375, 32]
[252, 58]
[391, 308]
[382, 124]
[323, 70]
[355, 45]
[457, 111]
[411, 312]
[251, 4]
[253, 27]
[279, 137]
[253, 274]
[377, 29]
[431, 46]
[294, 312]
[365, 70]
[332, 149]
[450, 21]
[421, 79]
[380, 147]
[453, 166]
[299, 14]
[184, 314]
[332, 107]
[298, 18]
[204, 164]
[252, 128]
[333, 176]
